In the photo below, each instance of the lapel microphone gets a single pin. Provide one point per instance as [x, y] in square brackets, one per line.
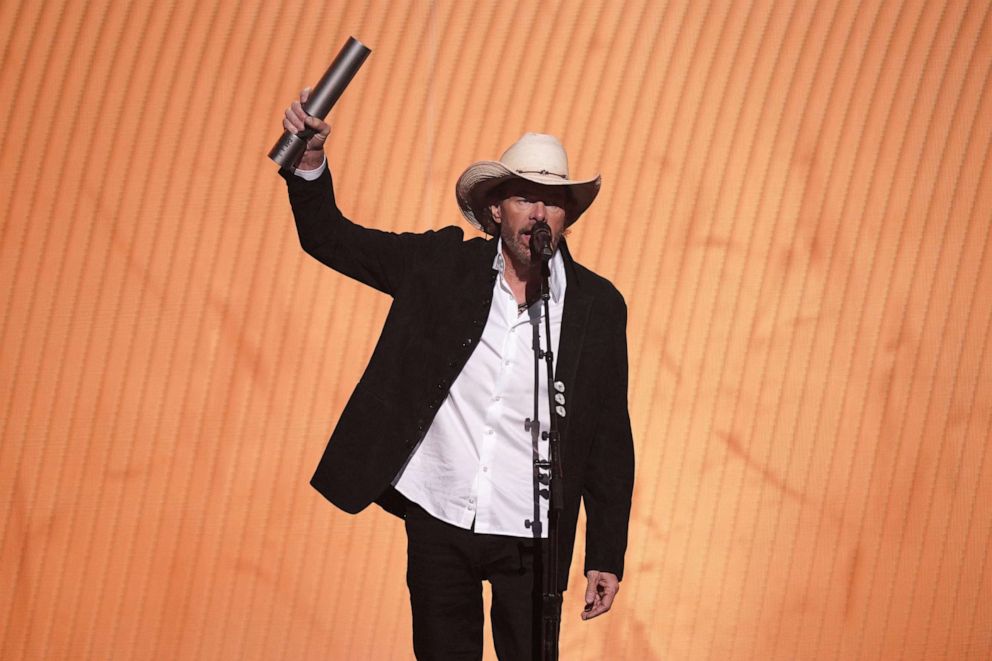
[540, 240]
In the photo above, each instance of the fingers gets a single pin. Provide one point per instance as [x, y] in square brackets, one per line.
[293, 122]
[601, 604]
[296, 115]
[607, 599]
[601, 591]
[314, 130]
[592, 579]
[297, 120]
[294, 125]
[319, 126]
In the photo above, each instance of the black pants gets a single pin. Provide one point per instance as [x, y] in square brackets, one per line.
[445, 569]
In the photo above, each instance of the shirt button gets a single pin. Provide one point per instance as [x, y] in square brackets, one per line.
[489, 432]
[485, 469]
[496, 398]
[506, 362]
[471, 500]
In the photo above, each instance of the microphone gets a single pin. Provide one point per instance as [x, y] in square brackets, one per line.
[540, 240]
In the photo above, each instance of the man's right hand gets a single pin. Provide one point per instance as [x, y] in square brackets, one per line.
[297, 120]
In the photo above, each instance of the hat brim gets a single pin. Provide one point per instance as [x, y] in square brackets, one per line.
[478, 180]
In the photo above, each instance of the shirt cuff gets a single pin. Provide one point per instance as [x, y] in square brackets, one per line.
[312, 175]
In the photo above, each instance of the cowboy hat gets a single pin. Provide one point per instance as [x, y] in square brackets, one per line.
[534, 157]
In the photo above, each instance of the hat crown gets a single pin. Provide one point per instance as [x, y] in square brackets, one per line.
[537, 153]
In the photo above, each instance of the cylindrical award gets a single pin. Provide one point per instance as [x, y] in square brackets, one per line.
[325, 94]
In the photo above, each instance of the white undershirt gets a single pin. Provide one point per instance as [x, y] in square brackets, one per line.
[312, 175]
[475, 464]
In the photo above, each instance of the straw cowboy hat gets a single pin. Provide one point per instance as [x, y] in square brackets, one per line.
[535, 157]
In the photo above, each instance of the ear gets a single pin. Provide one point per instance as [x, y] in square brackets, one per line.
[495, 212]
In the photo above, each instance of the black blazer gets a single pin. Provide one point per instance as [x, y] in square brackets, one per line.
[442, 288]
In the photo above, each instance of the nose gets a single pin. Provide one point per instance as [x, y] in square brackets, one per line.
[539, 211]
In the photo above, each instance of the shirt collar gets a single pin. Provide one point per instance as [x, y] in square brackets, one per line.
[557, 279]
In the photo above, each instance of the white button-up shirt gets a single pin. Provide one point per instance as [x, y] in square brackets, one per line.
[475, 466]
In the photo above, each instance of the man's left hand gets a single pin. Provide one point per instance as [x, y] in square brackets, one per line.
[602, 589]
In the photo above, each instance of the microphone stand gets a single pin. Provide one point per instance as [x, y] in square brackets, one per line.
[546, 471]
[551, 593]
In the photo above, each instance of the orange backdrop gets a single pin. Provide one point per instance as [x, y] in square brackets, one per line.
[796, 203]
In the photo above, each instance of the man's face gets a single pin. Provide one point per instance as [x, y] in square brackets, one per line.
[521, 205]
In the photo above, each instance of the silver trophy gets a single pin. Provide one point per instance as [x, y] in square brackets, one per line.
[286, 153]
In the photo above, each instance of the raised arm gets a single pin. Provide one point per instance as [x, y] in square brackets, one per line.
[379, 259]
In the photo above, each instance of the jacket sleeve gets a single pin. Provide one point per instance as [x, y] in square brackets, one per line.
[609, 473]
[376, 258]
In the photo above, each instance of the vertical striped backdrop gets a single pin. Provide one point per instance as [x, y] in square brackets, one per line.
[797, 202]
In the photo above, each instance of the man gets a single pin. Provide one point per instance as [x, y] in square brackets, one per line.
[437, 429]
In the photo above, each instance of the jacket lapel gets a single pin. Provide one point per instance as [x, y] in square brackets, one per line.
[474, 293]
[578, 304]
